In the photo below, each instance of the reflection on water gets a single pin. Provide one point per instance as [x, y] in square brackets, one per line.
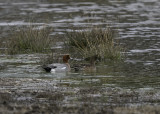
[138, 24]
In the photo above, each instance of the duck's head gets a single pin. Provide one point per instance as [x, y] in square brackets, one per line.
[66, 58]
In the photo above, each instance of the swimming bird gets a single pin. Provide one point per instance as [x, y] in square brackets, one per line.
[87, 67]
[58, 67]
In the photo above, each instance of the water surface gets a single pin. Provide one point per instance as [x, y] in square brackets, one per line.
[138, 25]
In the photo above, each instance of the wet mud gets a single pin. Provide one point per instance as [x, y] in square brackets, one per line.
[26, 96]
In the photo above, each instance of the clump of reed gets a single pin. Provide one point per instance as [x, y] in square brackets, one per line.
[28, 39]
[97, 43]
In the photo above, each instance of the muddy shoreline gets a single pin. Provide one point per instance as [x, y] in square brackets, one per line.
[39, 96]
[33, 95]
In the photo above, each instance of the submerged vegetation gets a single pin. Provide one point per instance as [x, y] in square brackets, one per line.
[29, 39]
[97, 42]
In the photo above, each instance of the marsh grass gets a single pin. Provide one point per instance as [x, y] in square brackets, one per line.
[28, 39]
[97, 42]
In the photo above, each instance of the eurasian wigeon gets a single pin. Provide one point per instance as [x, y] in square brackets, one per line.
[57, 67]
[87, 67]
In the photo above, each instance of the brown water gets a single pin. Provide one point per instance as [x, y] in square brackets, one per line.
[138, 25]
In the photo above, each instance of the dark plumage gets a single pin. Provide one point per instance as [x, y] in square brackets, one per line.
[48, 69]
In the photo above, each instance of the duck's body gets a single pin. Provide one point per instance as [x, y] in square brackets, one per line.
[87, 67]
[84, 67]
[58, 67]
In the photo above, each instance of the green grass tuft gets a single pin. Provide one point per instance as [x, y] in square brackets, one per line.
[28, 39]
[96, 42]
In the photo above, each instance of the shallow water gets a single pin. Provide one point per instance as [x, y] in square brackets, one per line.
[138, 25]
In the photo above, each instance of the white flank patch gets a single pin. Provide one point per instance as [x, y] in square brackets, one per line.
[63, 68]
[53, 70]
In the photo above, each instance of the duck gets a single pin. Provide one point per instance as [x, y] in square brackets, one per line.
[91, 67]
[58, 67]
